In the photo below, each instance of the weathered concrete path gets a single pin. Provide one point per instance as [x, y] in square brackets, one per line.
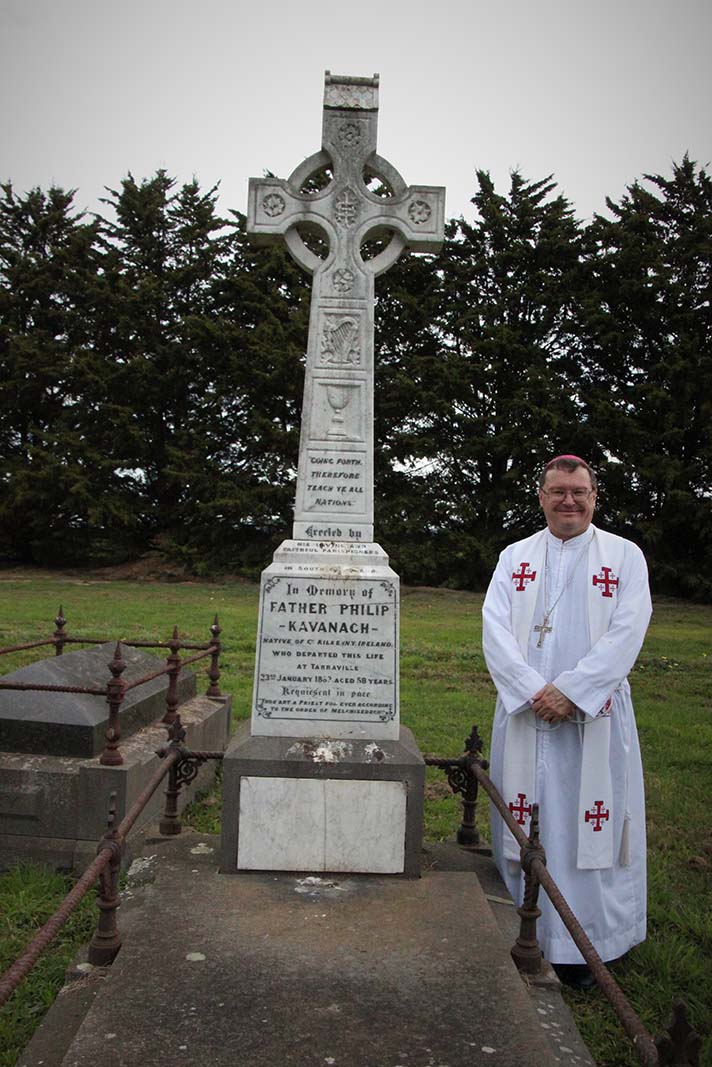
[353, 971]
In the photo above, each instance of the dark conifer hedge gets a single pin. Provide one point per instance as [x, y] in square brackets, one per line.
[151, 370]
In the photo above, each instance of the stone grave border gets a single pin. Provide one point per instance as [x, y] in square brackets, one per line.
[116, 689]
[677, 1045]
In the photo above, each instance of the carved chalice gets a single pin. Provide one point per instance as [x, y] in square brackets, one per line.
[338, 396]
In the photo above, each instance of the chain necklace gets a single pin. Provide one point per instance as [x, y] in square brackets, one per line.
[545, 629]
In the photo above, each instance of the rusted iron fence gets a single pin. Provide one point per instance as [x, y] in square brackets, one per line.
[181, 766]
[116, 688]
[105, 868]
[680, 1045]
[182, 772]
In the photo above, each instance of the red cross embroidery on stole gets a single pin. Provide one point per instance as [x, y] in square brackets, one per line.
[523, 577]
[607, 580]
[521, 810]
[598, 815]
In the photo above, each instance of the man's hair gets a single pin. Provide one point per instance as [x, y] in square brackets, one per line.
[569, 464]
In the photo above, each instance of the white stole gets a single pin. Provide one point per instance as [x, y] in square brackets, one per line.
[595, 805]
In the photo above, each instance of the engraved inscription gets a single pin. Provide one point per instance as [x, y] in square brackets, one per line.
[419, 211]
[337, 532]
[336, 481]
[340, 344]
[273, 205]
[327, 650]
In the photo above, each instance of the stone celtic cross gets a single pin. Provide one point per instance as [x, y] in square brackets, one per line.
[335, 478]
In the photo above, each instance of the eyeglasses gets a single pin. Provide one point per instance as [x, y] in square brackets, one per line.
[558, 495]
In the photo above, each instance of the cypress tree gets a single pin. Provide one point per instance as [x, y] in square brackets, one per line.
[510, 393]
[648, 389]
[58, 483]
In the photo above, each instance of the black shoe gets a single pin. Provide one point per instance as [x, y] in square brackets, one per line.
[576, 975]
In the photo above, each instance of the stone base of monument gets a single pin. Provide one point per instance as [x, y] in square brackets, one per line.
[53, 808]
[322, 805]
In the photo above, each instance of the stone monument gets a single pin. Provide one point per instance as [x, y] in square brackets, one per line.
[324, 777]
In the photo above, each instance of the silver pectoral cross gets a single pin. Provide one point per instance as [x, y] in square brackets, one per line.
[542, 630]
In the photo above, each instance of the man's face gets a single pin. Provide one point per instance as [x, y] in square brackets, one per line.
[567, 516]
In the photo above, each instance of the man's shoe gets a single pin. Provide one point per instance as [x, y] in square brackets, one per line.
[575, 975]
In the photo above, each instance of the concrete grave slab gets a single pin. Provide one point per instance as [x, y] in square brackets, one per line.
[349, 971]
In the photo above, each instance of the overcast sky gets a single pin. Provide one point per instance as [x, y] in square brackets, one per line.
[597, 92]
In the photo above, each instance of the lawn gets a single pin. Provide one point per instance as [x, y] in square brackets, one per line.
[444, 689]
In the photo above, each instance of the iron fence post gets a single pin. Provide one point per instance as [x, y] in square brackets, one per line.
[107, 940]
[111, 757]
[680, 1045]
[173, 661]
[214, 669]
[170, 823]
[526, 951]
[468, 834]
[59, 635]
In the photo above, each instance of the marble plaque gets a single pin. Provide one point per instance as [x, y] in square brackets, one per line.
[327, 654]
[296, 824]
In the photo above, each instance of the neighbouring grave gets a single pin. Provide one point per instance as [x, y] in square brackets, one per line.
[74, 724]
[55, 794]
[324, 777]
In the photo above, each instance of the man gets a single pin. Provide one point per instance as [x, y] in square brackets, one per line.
[563, 621]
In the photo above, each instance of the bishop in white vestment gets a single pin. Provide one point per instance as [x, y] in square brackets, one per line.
[563, 621]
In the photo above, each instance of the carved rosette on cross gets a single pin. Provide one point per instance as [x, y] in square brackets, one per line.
[335, 477]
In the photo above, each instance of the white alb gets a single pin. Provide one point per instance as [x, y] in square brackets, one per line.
[587, 779]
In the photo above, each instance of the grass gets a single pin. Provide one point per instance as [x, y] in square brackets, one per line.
[444, 689]
[28, 897]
